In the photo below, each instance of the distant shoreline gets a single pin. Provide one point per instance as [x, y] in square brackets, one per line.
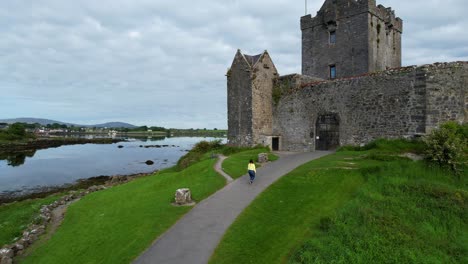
[43, 143]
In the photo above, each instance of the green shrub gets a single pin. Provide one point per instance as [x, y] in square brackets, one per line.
[228, 150]
[448, 146]
[17, 129]
[205, 146]
[15, 132]
[197, 153]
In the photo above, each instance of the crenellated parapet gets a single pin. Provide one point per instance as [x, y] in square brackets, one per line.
[335, 10]
[387, 15]
[350, 37]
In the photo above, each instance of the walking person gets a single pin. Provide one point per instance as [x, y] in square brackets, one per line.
[251, 169]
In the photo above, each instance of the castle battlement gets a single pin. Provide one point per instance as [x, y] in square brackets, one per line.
[349, 37]
[335, 11]
[387, 15]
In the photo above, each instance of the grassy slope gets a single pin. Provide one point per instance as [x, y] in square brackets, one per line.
[236, 164]
[405, 213]
[280, 217]
[15, 217]
[387, 210]
[116, 225]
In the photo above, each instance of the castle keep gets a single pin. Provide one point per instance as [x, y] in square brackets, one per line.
[354, 37]
[352, 88]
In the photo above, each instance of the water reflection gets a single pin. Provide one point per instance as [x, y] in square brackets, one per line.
[26, 172]
[16, 159]
[146, 139]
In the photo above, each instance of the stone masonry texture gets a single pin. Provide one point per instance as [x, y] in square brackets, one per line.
[372, 96]
[368, 38]
[400, 103]
[250, 83]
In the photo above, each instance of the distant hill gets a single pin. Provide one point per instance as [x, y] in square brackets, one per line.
[114, 125]
[33, 121]
[45, 122]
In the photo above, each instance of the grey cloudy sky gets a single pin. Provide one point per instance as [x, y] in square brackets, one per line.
[163, 63]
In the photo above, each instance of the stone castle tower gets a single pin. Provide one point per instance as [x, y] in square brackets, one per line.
[349, 38]
[250, 84]
[352, 89]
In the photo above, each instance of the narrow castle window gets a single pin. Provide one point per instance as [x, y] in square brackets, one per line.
[332, 37]
[332, 72]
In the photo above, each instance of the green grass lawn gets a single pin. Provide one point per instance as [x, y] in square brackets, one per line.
[117, 224]
[405, 213]
[125, 218]
[367, 206]
[236, 164]
[15, 217]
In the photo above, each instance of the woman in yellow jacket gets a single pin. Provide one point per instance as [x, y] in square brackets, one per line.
[252, 171]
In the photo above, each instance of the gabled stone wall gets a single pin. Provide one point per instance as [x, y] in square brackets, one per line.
[250, 82]
[264, 74]
[239, 93]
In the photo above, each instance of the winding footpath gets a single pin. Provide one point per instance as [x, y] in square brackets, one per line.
[195, 236]
[219, 169]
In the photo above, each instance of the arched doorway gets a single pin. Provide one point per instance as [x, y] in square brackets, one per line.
[327, 132]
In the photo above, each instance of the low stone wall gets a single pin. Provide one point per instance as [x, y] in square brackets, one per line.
[405, 102]
[36, 229]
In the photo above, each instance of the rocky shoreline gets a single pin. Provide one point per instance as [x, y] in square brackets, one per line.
[78, 185]
[52, 143]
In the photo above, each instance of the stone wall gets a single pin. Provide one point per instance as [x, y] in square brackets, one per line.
[447, 93]
[404, 102]
[264, 72]
[384, 38]
[239, 91]
[250, 84]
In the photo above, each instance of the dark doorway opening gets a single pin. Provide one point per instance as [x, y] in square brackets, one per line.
[328, 132]
[275, 143]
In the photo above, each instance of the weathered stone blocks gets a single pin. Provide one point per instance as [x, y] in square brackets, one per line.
[183, 196]
[263, 157]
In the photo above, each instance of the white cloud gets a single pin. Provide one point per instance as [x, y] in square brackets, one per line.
[161, 62]
[134, 34]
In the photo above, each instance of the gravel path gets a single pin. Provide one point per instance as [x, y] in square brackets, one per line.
[195, 236]
[219, 169]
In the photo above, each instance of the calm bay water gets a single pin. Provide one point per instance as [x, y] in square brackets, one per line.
[67, 164]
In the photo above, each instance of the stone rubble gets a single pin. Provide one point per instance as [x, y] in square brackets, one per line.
[263, 157]
[183, 196]
[36, 229]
